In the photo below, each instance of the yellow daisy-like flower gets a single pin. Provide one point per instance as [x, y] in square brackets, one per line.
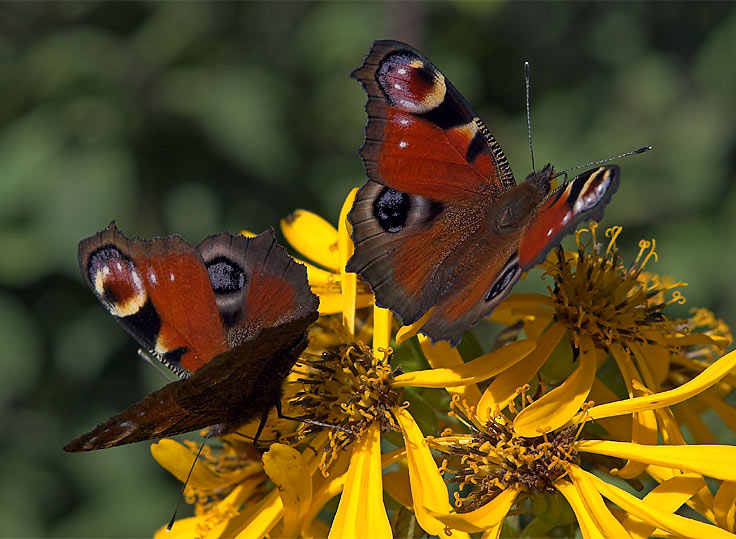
[519, 449]
[342, 382]
[326, 249]
[619, 308]
[503, 469]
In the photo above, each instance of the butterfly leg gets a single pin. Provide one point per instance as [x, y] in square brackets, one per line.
[262, 424]
[309, 421]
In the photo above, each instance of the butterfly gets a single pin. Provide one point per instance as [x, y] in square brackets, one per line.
[229, 316]
[441, 229]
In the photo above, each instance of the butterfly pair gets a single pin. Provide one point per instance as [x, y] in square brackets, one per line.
[440, 229]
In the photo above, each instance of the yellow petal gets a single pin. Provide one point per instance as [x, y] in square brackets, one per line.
[382, 319]
[644, 424]
[313, 237]
[494, 532]
[398, 485]
[557, 407]
[711, 460]
[688, 416]
[701, 382]
[479, 369]
[658, 357]
[361, 512]
[618, 427]
[487, 516]
[407, 332]
[327, 488]
[675, 524]
[333, 303]
[348, 281]
[668, 496]
[427, 487]
[178, 459]
[721, 407]
[588, 525]
[724, 505]
[286, 467]
[701, 501]
[503, 389]
[443, 355]
[592, 499]
[262, 516]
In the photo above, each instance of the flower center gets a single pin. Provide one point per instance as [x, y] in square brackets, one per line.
[492, 459]
[596, 294]
[349, 388]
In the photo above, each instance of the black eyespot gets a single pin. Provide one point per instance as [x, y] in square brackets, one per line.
[391, 208]
[503, 282]
[226, 277]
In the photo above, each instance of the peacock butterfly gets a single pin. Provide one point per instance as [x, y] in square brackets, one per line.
[229, 316]
[441, 229]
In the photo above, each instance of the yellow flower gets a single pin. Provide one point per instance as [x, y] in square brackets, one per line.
[504, 470]
[618, 308]
[522, 452]
[345, 383]
[325, 249]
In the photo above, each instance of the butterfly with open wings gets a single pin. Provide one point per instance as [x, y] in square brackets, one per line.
[441, 229]
[229, 316]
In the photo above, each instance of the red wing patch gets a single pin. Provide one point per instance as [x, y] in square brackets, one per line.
[582, 198]
[231, 315]
[142, 283]
[422, 137]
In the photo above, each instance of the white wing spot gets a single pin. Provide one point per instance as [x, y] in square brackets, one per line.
[171, 276]
[403, 144]
[137, 280]
[397, 86]
[549, 232]
[152, 276]
[401, 71]
[119, 266]
[105, 270]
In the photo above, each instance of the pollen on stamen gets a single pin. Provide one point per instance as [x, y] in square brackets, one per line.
[349, 388]
[598, 295]
[491, 458]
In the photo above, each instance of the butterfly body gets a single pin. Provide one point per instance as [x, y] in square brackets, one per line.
[441, 224]
[229, 316]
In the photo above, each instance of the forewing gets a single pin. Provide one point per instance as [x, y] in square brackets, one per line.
[582, 198]
[422, 137]
[159, 290]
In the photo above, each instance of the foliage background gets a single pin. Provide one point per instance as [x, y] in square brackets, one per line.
[189, 118]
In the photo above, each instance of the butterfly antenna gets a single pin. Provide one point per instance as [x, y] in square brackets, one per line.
[145, 357]
[181, 494]
[640, 150]
[528, 113]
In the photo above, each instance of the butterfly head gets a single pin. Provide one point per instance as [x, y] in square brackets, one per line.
[542, 180]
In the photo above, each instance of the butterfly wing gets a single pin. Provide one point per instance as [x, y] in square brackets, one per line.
[265, 308]
[143, 282]
[584, 197]
[422, 137]
[225, 393]
[256, 284]
[434, 173]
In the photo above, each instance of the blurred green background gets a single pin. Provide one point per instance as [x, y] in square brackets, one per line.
[190, 118]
